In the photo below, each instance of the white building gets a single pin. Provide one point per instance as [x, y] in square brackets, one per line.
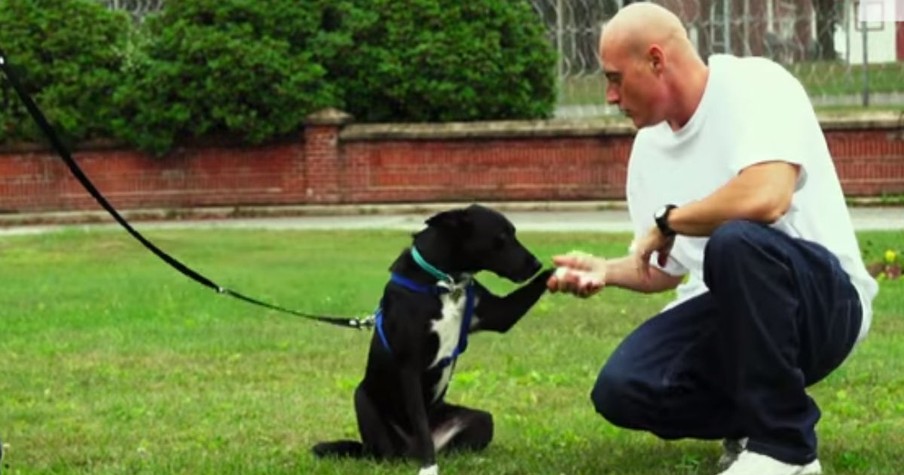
[883, 35]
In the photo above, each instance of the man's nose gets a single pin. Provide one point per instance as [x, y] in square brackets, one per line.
[612, 96]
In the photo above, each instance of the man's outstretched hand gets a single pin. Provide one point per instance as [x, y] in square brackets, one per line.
[578, 273]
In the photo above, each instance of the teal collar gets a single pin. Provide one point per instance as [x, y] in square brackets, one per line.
[419, 259]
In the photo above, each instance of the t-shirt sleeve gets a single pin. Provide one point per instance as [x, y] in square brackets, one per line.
[672, 265]
[774, 121]
[641, 210]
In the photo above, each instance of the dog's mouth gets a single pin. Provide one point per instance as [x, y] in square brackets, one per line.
[532, 267]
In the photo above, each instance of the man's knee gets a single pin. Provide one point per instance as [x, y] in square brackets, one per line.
[610, 396]
[730, 238]
[735, 244]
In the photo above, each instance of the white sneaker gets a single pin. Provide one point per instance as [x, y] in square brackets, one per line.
[752, 463]
[731, 449]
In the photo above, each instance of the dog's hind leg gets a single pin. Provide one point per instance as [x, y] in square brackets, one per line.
[379, 440]
[461, 428]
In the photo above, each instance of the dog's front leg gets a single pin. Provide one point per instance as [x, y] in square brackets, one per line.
[502, 313]
[422, 447]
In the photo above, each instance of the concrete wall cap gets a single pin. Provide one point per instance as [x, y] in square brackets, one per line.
[328, 116]
[488, 129]
[863, 121]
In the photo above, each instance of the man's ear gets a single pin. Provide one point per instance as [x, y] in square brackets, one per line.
[656, 58]
[458, 220]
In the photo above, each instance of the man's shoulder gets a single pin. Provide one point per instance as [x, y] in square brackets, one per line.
[725, 60]
[755, 69]
[651, 138]
[652, 132]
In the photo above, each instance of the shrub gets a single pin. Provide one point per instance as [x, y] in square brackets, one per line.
[214, 67]
[254, 69]
[441, 60]
[67, 54]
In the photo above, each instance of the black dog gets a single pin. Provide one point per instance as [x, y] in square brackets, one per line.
[429, 307]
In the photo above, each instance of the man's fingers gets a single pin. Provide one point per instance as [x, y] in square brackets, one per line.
[563, 261]
[589, 289]
[560, 281]
[574, 282]
[662, 257]
[552, 283]
[575, 260]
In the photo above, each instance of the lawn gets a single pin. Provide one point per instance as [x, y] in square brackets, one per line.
[114, 363]
[821, 79]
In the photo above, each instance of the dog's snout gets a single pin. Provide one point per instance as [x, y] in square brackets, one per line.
[531, 266]
[534, 264]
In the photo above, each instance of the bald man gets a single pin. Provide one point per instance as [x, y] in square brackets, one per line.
[735, 204]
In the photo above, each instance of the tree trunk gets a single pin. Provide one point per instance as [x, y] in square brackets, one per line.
[826, 20]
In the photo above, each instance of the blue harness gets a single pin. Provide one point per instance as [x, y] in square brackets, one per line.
[431, 290]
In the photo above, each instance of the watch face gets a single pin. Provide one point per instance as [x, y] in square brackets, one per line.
[660, 212]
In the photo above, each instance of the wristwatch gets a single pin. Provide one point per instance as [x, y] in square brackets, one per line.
[662, 220]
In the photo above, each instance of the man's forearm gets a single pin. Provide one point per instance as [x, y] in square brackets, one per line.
[761, 193]
[624, 273]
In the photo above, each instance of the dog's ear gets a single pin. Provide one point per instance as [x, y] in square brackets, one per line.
[452, 220]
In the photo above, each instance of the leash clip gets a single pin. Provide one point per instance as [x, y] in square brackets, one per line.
[363, 322]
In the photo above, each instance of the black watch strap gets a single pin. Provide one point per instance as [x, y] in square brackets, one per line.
[662, 220]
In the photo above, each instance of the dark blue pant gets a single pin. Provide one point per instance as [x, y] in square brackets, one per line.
[734, 362]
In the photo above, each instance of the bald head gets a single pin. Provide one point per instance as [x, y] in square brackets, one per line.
[653, 72]
[639, 25]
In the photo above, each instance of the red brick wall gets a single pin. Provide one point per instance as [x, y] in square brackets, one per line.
[39, 180]
[486, 169]
[337, 162]
[869, 162]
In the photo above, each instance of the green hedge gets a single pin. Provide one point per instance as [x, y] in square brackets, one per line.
[212, 67]
[445, 60]
[69, 56]
[254, 69]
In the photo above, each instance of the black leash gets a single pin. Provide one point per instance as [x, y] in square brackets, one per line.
[51, 134]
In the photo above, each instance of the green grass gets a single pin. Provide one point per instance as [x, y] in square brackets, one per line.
[818, 78]
[837, 78]
[112, 363]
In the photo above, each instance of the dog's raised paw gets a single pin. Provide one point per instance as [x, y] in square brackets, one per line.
[431, 470]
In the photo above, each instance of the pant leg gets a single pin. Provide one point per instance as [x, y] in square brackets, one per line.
[662, 377]
[781, 314]
[790, 316]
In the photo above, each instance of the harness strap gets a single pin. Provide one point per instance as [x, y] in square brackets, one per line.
[434, 290]
[61, 149]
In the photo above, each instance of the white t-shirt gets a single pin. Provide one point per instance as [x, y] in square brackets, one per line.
[752, 111]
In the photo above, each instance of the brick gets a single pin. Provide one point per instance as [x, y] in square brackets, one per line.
[319, 168]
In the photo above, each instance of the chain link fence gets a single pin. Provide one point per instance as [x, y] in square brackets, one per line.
[138, 8]
[841, 61]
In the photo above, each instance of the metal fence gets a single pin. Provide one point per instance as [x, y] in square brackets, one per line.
[841, 61]
[138, 8]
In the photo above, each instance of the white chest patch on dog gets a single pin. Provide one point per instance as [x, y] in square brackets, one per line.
[448, 329]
